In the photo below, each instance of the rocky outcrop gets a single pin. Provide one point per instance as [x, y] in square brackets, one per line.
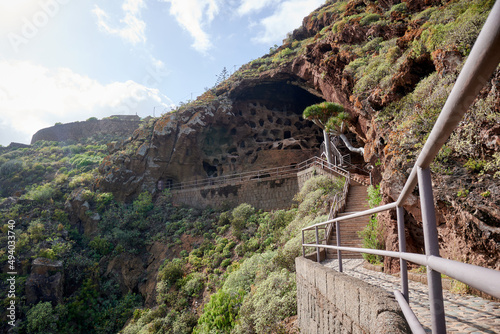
[256, 125]
[46, 282]
[80, 214]
[116, 126]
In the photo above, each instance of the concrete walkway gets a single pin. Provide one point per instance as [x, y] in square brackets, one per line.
[464, 313]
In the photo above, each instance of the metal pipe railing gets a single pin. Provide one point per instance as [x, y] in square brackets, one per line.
[415, 325]
[261, 174]
[480, 278]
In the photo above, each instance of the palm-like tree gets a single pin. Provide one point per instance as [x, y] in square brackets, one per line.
[332, 118]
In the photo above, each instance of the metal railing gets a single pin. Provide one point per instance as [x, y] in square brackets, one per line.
[259, 175]
[480, 65]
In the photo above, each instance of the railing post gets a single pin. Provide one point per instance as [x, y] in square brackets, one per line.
[339, 252]
[431, 249]
[303, 247]
[402, 248]
[318, 257]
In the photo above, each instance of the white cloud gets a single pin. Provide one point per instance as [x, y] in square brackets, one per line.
[133, 30]
[288, 16]
[248, 6]
[193, 15]
[33, 97]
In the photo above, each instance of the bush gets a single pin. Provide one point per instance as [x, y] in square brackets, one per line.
[171, 271]
[144, 203]
[11, 167]
[372, 234]
[195, 282]
[219, 314]
[42, 193]
[240, 216]
[243, 278]
[101, 245]
[42, 319]
[370, 18]
[272, 300]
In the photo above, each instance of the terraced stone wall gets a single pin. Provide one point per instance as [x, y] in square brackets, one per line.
[332, 302]
[268, 194]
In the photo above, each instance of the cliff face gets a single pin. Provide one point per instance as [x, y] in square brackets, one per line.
[255, 125]
[391, 64]
[116, 126]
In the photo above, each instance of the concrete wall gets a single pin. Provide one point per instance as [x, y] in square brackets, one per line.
[332, 302]
[269, 194]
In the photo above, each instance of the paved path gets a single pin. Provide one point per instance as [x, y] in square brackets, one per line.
[464, 313]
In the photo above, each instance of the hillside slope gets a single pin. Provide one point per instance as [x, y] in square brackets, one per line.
[391, 65]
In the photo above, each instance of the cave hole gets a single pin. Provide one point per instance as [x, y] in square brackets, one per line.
[287, 134]
[209, 169]
[261, 122]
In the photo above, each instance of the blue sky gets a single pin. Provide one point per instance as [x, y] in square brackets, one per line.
[68, 60]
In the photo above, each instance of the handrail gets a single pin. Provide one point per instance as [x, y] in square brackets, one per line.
[480, 65]
[484, 279]
[261, 174]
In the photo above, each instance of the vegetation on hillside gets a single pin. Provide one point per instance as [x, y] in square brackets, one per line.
[238, 276]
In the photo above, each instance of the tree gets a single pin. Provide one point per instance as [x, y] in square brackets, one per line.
[332, 118]
[222, 76]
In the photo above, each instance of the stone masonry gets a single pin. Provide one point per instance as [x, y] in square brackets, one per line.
[332, 302]
[269, 194]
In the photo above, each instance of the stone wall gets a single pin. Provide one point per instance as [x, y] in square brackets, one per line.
[332, 302]
[269, 194]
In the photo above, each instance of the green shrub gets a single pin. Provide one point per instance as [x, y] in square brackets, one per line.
[371, 234]
[11, 167]
[400, 7]
[374, 196]
[272, 300]
[225, 263]
[240, 216]
[171, 271]
[368, 19]
[219, 314]
[243, 278]
[84, 160]
[194, 284]
[475, 165]
[101, 245]
[42, 193]
[144, 203]
[42, 319]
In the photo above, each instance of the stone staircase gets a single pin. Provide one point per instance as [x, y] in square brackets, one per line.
[357, 200]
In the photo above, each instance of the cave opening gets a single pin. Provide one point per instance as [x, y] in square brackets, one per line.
[279, 95]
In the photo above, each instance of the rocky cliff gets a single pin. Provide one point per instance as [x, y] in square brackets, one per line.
[120, 126]
[391, 65]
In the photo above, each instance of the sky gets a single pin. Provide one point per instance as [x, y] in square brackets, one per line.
[69, 60]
